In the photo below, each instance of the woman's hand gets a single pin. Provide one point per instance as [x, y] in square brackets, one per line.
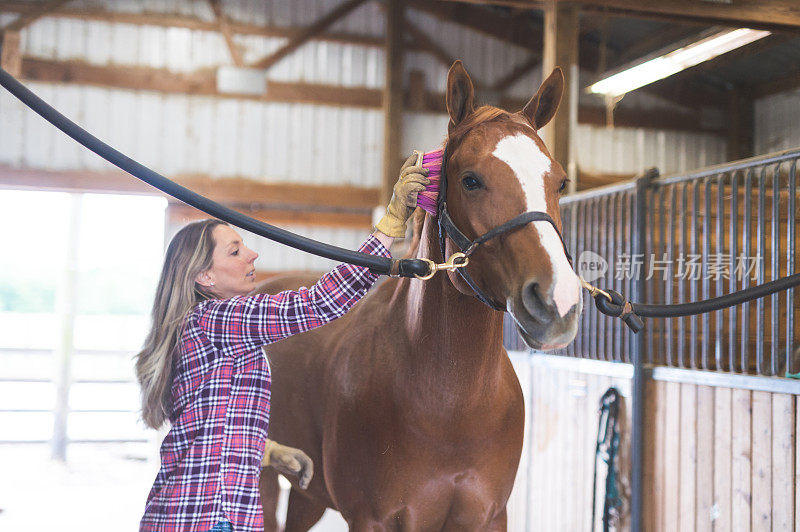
[404, 199]
[289, 462]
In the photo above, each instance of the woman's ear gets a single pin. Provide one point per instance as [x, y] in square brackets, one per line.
[204, 279]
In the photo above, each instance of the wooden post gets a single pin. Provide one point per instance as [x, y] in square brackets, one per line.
[741, 125]
[392, 98]
[65, 307]
[10, 56]
[561, 49]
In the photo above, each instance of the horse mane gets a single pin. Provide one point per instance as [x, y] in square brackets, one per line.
[482, 115]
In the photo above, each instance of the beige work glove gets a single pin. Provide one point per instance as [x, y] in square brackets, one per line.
[289, 462]
[404, 199]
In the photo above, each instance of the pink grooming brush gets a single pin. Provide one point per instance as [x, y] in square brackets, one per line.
[432, 160]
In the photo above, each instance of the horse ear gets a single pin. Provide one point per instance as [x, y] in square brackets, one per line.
[544, 104]
[460, 95]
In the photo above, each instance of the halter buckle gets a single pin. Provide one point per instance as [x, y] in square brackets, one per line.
[456, 260]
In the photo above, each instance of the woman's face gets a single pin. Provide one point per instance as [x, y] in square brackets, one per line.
[232, 272]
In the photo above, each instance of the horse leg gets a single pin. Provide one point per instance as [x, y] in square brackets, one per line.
[270, 489]
[303, 513]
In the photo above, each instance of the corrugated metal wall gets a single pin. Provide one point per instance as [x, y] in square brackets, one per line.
[274, 142]
[777, 123]
[629, 150]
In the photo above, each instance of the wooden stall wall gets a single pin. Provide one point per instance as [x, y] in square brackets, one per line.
[716, 458]
[720, 459]
[563, 419]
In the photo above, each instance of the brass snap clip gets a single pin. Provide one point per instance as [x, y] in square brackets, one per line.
[456, 260]
[593, 290]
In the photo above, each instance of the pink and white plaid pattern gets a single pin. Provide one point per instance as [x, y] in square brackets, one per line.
[211, 457]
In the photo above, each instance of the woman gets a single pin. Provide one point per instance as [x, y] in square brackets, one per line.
[203, 369]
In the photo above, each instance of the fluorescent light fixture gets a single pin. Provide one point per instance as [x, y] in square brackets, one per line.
[667, 64]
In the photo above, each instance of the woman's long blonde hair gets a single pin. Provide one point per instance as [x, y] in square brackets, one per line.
[188, 254]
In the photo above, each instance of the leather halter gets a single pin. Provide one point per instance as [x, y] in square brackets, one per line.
[447, 228]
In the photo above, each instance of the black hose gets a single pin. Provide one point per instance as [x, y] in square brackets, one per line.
[381, 265]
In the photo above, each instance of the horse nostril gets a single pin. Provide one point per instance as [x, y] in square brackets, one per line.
[536, 304]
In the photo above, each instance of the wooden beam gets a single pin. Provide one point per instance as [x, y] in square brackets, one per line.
[38, 11]
[587, 180]
[204, 83]
[246, 191]
[229, 190]
[166, 20]
[561, 49]
[10, 52]
[778, 15]
[308, 33]
[770, 14]
[347, 220]
[651, 119]
[225, 29]
[199, 83]
[393, 97]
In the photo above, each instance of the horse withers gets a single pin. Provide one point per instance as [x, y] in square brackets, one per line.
[409, 405]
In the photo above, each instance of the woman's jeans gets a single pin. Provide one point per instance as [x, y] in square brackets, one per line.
[222, 526]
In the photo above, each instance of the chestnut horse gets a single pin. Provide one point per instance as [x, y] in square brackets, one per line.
[409, 405]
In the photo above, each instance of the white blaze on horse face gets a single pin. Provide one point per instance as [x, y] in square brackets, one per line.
[530, 165]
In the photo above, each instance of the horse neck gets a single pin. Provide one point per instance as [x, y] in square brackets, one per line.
[460, 336]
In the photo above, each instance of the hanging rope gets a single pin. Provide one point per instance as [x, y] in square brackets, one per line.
[606, 450]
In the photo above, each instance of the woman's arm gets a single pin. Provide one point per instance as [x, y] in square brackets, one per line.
[261, 319]
[386, 240]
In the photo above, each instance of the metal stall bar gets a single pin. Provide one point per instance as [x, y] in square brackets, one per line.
[790, 243]
[761, 229]
[733, 231]
[746, 250]
[670, 240]
[692, 281]
[619, 247]
[775, 269]
[706, 281]
[681, 350]
[639, 293]
[720, 315]
[647, 267]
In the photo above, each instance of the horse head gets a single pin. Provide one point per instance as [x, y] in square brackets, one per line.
[497, 168]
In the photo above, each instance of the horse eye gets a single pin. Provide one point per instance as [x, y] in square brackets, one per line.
[471, 182]
[563, 186]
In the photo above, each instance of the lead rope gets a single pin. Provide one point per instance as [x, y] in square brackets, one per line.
[614, 304]
[377, 264]
[606, 449]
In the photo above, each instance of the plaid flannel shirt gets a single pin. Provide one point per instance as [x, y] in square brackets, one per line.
[211, 457]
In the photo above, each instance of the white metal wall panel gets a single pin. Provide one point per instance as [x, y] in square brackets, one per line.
[777, 122]
[423, 131]
[630, 150]
[177, 134]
